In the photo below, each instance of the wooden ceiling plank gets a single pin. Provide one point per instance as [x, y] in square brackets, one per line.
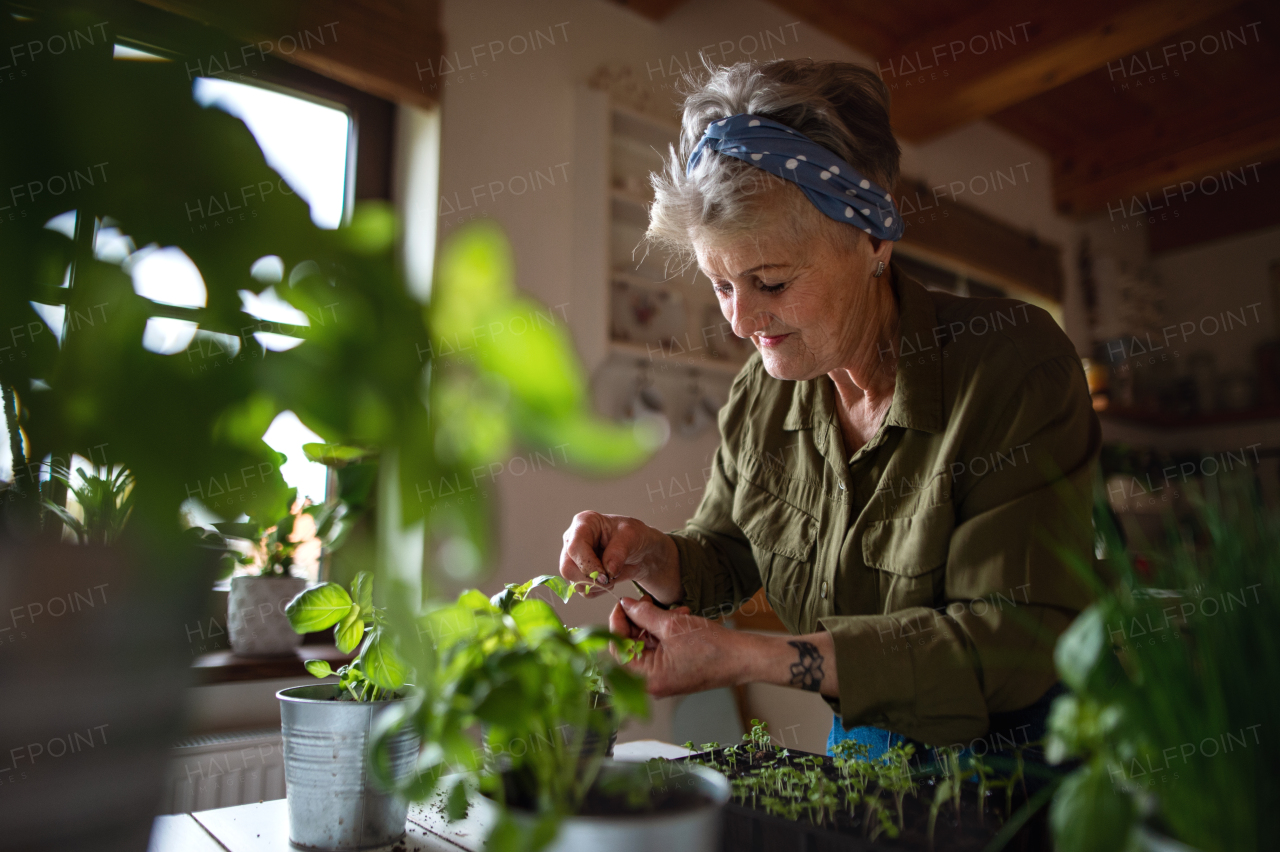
[372, 45]
[1039, 49]
[841, 22]
[654, 10]
[1256, 143]
[1150, 97]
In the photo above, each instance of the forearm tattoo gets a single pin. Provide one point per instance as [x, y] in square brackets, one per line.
[807, 673]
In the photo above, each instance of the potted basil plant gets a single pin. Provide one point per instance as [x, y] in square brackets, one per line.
[508, 666]
[333, 802]
[282, 552]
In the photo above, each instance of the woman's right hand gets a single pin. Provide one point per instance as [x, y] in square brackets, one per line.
[620, 548]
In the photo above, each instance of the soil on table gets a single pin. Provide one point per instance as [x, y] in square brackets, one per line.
[751, 828]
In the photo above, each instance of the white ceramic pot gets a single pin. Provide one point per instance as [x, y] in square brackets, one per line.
[696, 829]
[255, 615]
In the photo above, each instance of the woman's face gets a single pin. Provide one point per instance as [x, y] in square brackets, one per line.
[804, 302]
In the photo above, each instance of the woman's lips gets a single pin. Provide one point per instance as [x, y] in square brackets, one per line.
[772, 340]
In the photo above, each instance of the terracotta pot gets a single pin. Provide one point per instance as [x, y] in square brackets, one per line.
[255, 615]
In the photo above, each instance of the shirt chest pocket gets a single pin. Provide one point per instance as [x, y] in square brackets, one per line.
[911, 554]
[782, 540]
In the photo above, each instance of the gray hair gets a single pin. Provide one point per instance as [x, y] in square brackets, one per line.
[839, 105]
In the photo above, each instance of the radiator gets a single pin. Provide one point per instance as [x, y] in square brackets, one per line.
[221, 770]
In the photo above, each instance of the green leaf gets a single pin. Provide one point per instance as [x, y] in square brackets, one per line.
[1090, 814]
[362, 590]
[386, 725]
[336, 455]
[562, 587]
[505, 599]
[427, 770]
[504, 705]
[251, 532]
[506, 836]
[380, 662]
[629, 695]
[545, 831]
[1082, 649]
[372, 228]
[319, 668]
[536, 618]
[318, 607]
[476, 275]
[456, 807]
[445, 626]
[472, 599]
[350, 630]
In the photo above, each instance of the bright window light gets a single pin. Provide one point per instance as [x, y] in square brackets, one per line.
[287, 434]
[120, 51]
[167, 276]
[304, 141]
[168, 336]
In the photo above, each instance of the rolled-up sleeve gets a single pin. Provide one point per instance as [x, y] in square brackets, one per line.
[1009, 588]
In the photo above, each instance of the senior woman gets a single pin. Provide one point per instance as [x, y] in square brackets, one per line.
[906, 473]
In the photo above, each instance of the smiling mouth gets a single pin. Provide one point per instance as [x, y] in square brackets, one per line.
[768, 340]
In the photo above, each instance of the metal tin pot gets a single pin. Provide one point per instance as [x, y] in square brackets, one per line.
[255, 615]
[333, 802]
[693, 830]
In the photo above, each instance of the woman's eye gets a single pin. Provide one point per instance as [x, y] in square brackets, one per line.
[723, 289]
[772, 288]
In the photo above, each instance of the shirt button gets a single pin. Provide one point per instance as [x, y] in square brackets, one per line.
[823, 593]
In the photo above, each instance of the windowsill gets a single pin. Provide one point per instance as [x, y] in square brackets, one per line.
[227, 667]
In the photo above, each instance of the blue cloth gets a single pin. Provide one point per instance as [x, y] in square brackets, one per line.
[877, 740]
[835, 187]
[1006, 731]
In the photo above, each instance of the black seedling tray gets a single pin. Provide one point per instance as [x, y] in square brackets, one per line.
[753, 829]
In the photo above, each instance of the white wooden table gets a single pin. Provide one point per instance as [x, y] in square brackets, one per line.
[264, 826]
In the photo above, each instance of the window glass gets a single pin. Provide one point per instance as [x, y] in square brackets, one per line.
[306, 142]
[309, 145]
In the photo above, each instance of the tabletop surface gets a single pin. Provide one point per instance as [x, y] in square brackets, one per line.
[264, 826]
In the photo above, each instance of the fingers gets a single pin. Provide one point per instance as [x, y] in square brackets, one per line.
[620, 624]
[645, 615]
[611, 546]
[578, 558]
[624, 550]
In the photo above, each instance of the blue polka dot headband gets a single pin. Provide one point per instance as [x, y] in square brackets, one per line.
[835, 187]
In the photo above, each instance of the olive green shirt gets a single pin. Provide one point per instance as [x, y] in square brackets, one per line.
[936, 555]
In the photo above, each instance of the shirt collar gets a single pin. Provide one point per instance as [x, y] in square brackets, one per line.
[917, 393]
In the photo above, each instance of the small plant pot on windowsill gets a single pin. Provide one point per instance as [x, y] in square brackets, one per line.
[679, 810]
[334, 803]
[255, 615]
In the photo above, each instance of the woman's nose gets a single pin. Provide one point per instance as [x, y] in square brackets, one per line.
[746, 317]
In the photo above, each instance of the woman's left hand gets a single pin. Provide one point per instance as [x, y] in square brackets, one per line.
[683, 652]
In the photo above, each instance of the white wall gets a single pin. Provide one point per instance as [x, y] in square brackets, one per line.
[506, 115]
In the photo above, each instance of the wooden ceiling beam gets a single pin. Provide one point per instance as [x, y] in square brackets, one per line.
[1161, 172]
[838, 20]
[377, 46]
[1009, 52]
[654, 10]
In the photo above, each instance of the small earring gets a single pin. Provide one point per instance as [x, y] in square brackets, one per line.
[879, 270]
